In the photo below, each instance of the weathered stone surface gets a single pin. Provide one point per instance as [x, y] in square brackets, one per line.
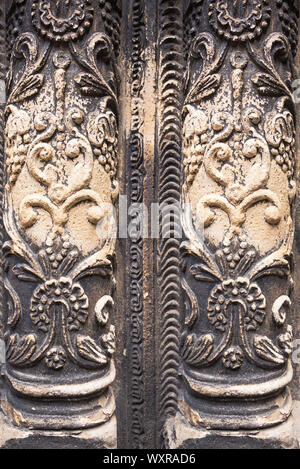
[102, 437]
[179, 434]
[61, 185]
[189, 104]
[239, 191]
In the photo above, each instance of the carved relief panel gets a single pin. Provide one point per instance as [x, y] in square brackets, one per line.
[238, 195]
[60, 189]
[181, 329]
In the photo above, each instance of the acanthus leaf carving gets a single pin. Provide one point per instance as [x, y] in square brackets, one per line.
[19, 349]
[195, 350]
[30, 81]
[89, 350]
[203, 47]
[266, 349]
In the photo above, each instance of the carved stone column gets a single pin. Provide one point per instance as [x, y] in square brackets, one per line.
[60, 192]
[239, 167]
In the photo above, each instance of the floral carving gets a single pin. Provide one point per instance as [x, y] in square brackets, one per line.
[49, 142]
[235, 149]
[59, 300]
[235, 249]
[56, 358]
[60, 151]
[239, 20]
[62, 20]
[196, 136]
[236, 291]
[236, 306]
[203, 48]
[64, 292]
[233, 358]
[61, 120]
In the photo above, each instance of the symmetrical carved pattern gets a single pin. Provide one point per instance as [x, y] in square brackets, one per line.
[65, 21]
[239, 21]
[61, 167]
[238, 194]
[169, 147]
[220, 322]
[136, 164]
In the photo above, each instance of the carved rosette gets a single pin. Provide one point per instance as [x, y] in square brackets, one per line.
[238, 194]
[61, 143]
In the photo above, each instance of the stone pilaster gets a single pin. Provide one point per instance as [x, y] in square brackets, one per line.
[61, 190]
[238, 215]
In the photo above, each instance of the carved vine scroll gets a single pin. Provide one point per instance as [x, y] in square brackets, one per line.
[238, 196]
[61, 143]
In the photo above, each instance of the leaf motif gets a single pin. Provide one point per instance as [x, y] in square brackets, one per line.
[195, 350]
[267, 350]
[16, 308]
[18, 246]
[193, 248]
[25, 272]
[277, 271]
[103, 271]
[103, 308]
[20, 349]
[204, 88]
[278, 258]
[95, 265]
[195, 245]
[246, 262]
[267, 85]
[27, 88]
[109, 341]
[91, 86]
[68, 262]
[275, 45]
[221, 263]
[194, 307]
[91, 351]
[202, 273]
[45, 263]
[286, 341]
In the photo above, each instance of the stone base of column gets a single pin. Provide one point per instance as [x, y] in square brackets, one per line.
[64, 406]
[102, 437]
[180, 434]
